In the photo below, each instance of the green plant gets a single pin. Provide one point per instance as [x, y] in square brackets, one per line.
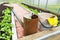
[59, 23]
[5, 25]
[35, 11]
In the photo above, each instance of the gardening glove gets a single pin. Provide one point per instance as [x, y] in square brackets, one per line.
[53, 21]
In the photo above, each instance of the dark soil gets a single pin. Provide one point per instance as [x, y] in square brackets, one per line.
[2, 39]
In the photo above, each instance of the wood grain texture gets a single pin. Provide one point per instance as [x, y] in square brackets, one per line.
[56, 37]
[40, 34]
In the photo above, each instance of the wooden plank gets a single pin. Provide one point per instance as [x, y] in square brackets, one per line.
[19, 12]
[56, 37]
[39, 34]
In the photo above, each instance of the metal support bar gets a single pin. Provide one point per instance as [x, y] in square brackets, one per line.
[27, 1]
[38, 3]
[46, 4]
[33, 2]
[59, 10]
[30, 2]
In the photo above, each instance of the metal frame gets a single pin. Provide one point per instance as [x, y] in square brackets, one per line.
[46, 5]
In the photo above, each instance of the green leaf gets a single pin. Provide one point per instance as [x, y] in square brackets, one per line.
[35, 11]
[5, 24]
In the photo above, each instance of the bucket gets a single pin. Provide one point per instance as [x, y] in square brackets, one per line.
[30, 25]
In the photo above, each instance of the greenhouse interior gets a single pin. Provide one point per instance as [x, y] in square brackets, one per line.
[29, 19]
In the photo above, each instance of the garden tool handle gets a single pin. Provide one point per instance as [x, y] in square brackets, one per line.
[44, 25]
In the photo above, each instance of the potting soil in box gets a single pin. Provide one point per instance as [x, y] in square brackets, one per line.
[5, 23]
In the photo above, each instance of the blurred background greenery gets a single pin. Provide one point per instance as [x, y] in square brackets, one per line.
[52, 5]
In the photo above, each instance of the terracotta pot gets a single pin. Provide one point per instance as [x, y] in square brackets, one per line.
[30, 26]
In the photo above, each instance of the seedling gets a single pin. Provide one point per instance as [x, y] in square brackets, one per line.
[5, 25]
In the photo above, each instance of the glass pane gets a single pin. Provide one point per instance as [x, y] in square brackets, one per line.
[36, 3]
[53, 5]
[42, 3]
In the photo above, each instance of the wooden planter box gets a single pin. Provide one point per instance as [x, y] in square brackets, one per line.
[46, 34]
[13, 29]
[39, 35]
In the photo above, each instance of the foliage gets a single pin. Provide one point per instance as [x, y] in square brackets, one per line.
[35, 11]
[5, 25]
[59, 23]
